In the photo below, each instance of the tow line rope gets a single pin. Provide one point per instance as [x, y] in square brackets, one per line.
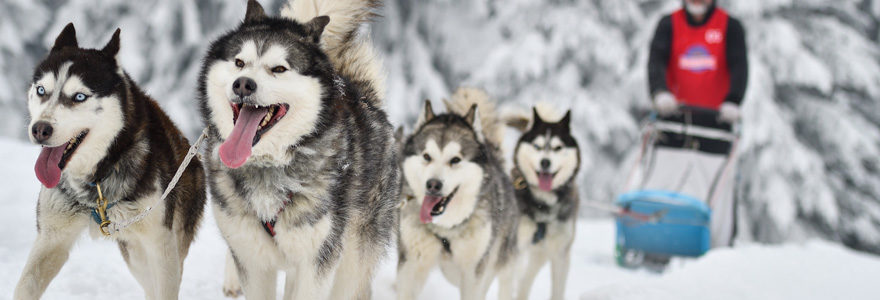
[109, 228]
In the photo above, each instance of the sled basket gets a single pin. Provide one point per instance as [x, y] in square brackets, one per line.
[678, 226]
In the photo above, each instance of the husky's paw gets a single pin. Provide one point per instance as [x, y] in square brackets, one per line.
[232, 289]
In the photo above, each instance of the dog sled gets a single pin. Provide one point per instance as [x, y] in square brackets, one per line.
[679, 195]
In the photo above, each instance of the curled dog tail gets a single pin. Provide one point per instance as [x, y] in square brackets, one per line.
[488, 123]
[522, 119]
[346, 40]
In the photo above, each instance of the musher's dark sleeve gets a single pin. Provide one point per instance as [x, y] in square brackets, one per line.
[658, 59]
[737, 60]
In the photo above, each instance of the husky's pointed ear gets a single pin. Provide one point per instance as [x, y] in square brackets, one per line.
[315, 28]
[112, 47]
[67, 38]
[399, 134]
[536, 118]
[473, 118]
[427, 114]
[254, 12]
[471, 115]
[566, 120]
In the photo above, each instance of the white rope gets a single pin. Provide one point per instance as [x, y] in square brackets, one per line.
[117, 226]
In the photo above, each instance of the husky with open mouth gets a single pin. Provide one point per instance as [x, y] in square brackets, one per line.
[301, 158]
[102, 135]
[463, 216]
[546, 159]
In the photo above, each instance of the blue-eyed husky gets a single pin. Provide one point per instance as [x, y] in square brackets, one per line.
[102, 135]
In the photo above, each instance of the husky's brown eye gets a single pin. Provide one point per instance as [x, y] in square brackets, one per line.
[239, 63]
[455, 160]
[426, 157]
[557, 148]
[279, 69]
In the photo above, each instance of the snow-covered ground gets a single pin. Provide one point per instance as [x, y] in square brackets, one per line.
[812, 270]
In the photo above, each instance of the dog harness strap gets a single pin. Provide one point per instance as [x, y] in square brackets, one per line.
[519, 182]
[96, 215]
[446, 246]
[269, 227]
[193, 151]
[540, 232]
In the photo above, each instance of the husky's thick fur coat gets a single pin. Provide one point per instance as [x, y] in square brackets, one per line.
[97, 128]
[301, 159]
[546, 163]
[463, 216]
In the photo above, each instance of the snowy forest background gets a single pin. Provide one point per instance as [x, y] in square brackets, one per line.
[810, 148]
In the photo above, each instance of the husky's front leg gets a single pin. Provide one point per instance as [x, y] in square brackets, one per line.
[559, 265]
[413, 269]
[166, 265]
[258, 282]
[308, 282]
[231, 283]
[474, 286]
[419, 253]
[536, 259]
[56, 232]
[315, 265]
[506, 278]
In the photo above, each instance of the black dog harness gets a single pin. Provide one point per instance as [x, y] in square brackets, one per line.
[446, 246]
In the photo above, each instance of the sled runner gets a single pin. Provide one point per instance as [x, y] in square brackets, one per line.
[680, 193]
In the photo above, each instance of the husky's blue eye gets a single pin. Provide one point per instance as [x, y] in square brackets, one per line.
[80, 97]
[41, 91]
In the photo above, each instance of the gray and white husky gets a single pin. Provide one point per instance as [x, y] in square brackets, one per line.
[301, 160]
[546, 159]
[463, 216]
[100, 131]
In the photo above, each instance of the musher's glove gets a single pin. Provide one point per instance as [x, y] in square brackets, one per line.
[729, 112]
[665, 104]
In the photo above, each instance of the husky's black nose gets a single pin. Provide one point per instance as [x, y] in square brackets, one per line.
[434, 187]
[244, 86]
[545, 164]
[41, 131]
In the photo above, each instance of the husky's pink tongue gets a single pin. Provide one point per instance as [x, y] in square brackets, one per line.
[47, 168]
[237, 148]
[545, 181]
[427, 206]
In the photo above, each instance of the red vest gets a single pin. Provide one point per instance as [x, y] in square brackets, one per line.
[697, 73]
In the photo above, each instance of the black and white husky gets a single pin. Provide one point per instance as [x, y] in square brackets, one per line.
[546, 159]
[463, 216]
[301, 160]
[100, 131]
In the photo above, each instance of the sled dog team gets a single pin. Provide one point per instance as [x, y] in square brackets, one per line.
[306, 174]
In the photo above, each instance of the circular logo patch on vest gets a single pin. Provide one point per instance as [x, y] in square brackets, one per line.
[697, 59]
[714, 36]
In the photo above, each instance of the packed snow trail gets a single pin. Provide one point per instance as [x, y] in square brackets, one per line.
[95, 269]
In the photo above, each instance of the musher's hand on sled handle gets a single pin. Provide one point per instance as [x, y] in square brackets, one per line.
[729, 113]
[665, 104]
